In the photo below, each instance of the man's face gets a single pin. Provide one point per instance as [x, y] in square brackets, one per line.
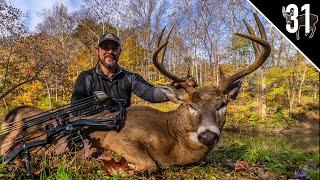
[108, 53]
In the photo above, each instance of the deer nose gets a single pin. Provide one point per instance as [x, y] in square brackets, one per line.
[208, 138]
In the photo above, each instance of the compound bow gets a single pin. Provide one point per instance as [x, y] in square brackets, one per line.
[59, 122]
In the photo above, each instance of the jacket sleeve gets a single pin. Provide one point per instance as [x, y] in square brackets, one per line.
[146, 91]
[81, 88]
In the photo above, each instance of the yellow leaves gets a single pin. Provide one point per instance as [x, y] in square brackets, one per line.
[82, 58]
[159, 81]
[313, 73]
[244, 95]
[274, 75]
[29, 95]
[278, 90]
[35, 86]
[132, 53]
[25, 99]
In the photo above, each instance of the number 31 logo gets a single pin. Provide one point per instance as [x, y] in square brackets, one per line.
[294, 21]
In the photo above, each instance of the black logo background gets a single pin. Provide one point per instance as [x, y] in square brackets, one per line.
[273, 11]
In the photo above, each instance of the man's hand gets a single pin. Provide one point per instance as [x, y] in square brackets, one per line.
[172, 94]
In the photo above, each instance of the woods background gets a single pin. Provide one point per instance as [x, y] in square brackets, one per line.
[40, 68]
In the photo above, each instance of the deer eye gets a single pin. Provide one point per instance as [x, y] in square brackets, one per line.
[193, 109]
[221, 103]
[193, 106]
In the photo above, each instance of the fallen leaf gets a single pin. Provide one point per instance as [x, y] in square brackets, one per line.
[242, 166]
[114, 167]
[301, 174]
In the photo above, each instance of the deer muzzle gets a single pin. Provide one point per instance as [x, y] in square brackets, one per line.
[208, 138]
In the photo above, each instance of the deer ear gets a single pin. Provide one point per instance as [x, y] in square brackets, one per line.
[233, 89]
[172, 94]
[284, 11]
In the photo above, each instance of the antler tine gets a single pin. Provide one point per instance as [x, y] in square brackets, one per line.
[262, 32]
[165, 48]
[159, 65]
[260, 57]
[160, 37]
[260, 27]
[254, 44]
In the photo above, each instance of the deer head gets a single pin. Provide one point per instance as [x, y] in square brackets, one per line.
[287, 15]
[206, 106]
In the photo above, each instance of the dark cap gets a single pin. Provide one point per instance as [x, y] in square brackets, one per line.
[109, 37]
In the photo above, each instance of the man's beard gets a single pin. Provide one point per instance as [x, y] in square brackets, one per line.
[103, 62]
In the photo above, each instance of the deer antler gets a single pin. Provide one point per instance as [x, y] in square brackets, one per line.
[261, 54]
[177, 82]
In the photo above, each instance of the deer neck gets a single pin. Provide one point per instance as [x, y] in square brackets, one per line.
[179, 122]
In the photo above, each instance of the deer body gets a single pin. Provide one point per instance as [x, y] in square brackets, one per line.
[155, 137]
[313, 21]
[151, 137]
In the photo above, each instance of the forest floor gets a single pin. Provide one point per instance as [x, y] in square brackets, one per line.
[258, 150]
[234, 158]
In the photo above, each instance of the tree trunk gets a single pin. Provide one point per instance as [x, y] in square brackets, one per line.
[205, 79]
[63, 96]
[301, 84]
[5, 103]
[197, 72]
[193, 69]
[291, 104]
[49, 95]
[200, 74]
[263, 97]
[291, 97]
[56, 91]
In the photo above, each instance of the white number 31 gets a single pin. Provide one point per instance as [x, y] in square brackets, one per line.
[291, 13]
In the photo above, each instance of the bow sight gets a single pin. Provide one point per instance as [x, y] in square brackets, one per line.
[66, 121]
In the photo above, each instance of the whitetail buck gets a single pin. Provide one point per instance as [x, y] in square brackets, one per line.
[151, 139]
[301, 21]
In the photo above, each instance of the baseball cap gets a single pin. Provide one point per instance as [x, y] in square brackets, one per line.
[109, 37]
